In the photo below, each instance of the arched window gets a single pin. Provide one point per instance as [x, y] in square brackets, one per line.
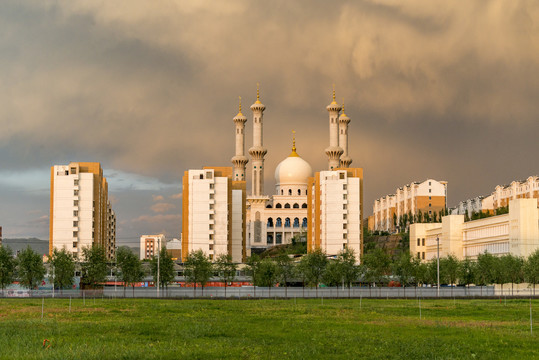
[289, 191]
[296, 206]
[282, 192]
[278, 222]
[268, 206]
[304, 206]
[304, 223]
[296, 222]
[278, 206]
[287, 222]
[299, 192]
[306, 192]
[287, 206]
[270, 222]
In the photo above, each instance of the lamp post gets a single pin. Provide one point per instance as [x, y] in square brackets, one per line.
[438, 265]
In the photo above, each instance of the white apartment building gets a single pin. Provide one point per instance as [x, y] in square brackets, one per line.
[213, 213]
[80, 213]
[513, 233]
[150, 245]
[335, 211]
[477, 204]
[429, 197]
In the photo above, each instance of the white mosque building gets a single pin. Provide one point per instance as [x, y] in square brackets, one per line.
[273, 220]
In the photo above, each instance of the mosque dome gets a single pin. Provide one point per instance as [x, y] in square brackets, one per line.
[293, 170]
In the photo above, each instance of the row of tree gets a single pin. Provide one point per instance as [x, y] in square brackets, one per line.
[29, 270]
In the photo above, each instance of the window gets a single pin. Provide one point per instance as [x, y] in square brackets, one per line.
[211, 226]
[341, 176]
[296, 222]
[344, 236]
[344, 216]
[75, 233]
[344, 186]
[287, 206]
[344, 197]
[75, 202]
[289, 191]
[76, 192]
[344, 226]
[278, 238]
[75, 213]
[211, 236]
[270, 222]
[296, 206]
[278, 206]
[418, 241]
[430, 197]
[211, 256]
[212, 196]
[75, 223]
[430, 205]
[430, 183]
[287, 222]
[209, 175]
[74, 244]
[211, 246]
[269, 239]
[73, 170]
[344, 207]
[418, 255]
[430, 190]
[278, 222]
[201, 176]
[423, 241]
[212, 186]
[423, 255]
[304, 223]
[76, 182]
[211, 216]
[304, 206]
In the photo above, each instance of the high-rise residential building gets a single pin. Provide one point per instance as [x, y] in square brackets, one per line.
[174, 249]
[426, 198]
[150, 245]
[335, 211]
[213, 217]
[80, 211]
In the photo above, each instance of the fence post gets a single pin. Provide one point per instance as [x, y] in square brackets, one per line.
[70, 303]
[419, 308]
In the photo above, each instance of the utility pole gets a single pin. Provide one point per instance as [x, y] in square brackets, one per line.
[158, 261]
[438, 265]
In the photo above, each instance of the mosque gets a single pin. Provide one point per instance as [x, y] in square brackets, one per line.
[324, 208]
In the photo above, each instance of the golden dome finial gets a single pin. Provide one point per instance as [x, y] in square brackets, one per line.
[258, 94]
[294, 153]
[343, 107]
[333, 102]
[240, 103]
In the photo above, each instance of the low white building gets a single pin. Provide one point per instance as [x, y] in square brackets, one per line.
[513, 233]
[335, 211]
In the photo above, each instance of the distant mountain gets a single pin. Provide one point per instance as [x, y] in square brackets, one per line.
[38, 245]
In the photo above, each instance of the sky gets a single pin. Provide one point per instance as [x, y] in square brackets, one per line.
[435, 89]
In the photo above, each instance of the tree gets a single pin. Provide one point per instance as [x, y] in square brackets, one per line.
[198, 269]
[514, 265]
[434, 217]
[449, 268]
[286, 270]
[7, 267]
[226, 269]
[93, 266]
[253, 263]
[500, 272]
[313, 267]
[394, 221]
[377, 263]
[419, 216]
[267, 273]
[166, 268]
[350, 271]
[333, 274]
[466, 273]
[130, 267]
[403, 268]
[62, 270]
[30, 268]
[420, 272]
[484, 266]
[531, 269]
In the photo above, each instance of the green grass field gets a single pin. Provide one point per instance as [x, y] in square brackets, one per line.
[267, 329]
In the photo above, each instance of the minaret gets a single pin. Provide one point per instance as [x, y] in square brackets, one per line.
[239, 160]
[333, 152]
[257, 152]
[343, 139]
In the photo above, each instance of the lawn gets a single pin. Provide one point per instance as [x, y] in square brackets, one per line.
[267, 329]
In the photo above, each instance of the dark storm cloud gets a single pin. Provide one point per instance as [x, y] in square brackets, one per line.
[443, 89]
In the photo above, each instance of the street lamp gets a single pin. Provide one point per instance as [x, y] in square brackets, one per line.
[438, 265]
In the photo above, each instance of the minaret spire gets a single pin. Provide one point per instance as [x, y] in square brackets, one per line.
[257, 151]
[239, 159]
[333, 151]
[294, 153]
[343, 139]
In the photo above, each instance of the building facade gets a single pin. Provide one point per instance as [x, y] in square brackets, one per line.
[335, 211]
[513, 233]
[428, 197]
[80, 211]
[174, 249]
[213, 213]
[150, 245]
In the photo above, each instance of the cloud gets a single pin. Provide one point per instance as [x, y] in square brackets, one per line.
[156, 219]
[158, 197]
[162, 207]
[177, 196]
